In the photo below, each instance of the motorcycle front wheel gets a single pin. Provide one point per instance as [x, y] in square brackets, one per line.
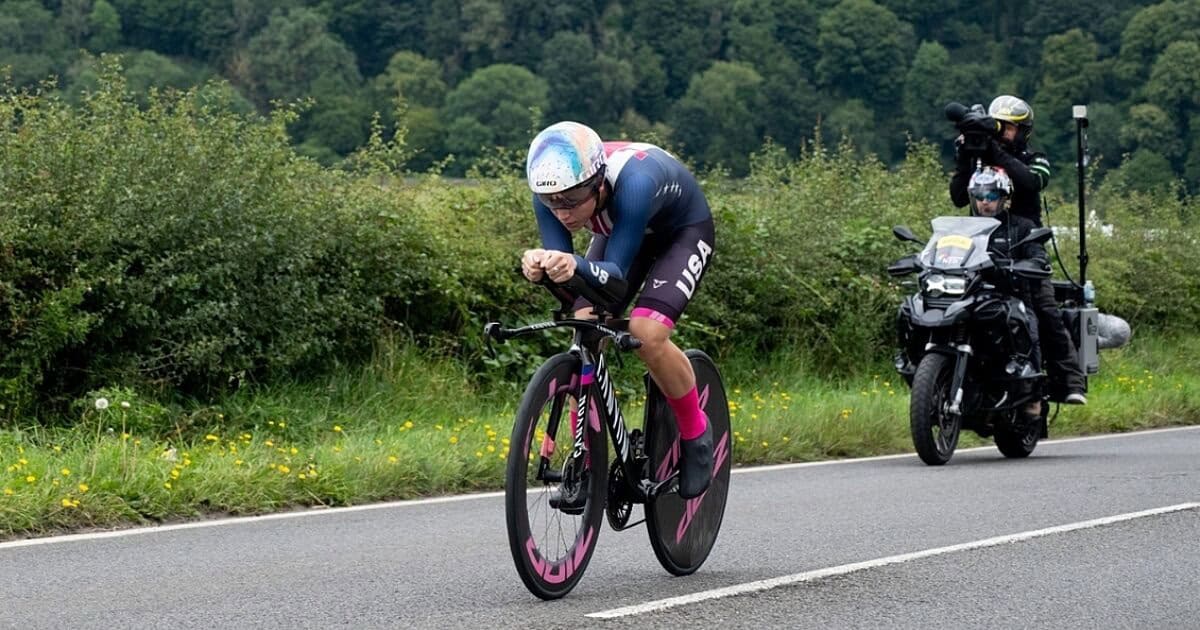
[935, 430]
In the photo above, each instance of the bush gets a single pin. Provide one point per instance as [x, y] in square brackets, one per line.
[184, 246]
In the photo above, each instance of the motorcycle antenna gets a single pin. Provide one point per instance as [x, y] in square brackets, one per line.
[1079, 113]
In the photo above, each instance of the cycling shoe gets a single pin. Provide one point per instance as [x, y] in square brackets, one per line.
[695, 465]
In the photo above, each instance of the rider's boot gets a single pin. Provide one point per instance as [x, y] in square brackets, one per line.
[695, 464]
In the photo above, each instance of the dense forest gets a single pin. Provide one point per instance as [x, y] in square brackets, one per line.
[712, 79]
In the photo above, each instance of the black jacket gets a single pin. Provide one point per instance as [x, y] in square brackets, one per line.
[1029, 172]
[1012, 229]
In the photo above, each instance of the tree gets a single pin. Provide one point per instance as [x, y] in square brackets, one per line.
[1144, 171]
[375, 29]
[864, 51]
[31, 41]
[169, 27]
[1149, 32]
[495, 106]
[296, 57]
[1175, 79]
[589, 86]
[854, 120]
[443, 25]
[413, 78]
[650, 80]
[226, 26]
[1070, 72]
[104, 27]
[293, 54]
[1149, 127]
[530, 22]
[718, 120]
[1105, 122]
[685, 33]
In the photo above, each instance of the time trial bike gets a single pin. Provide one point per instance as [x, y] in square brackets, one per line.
[559, 482]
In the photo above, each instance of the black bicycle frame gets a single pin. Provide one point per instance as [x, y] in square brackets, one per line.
[595, 380]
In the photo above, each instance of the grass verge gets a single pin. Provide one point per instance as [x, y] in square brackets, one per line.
[408, 427]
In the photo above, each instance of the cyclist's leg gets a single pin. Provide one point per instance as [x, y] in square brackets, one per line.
[671, 283]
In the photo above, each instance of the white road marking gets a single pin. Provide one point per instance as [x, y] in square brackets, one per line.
[809, 576]
[239, 520]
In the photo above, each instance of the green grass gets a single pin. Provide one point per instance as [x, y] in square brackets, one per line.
[409, 426]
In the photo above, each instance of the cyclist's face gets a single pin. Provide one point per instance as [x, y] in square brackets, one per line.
[576, 217]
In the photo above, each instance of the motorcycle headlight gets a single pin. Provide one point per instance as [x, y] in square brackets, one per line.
[937, 285]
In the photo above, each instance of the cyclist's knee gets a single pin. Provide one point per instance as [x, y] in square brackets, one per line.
[654, 335]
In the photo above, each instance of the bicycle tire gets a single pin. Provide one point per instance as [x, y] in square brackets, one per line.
[683, 532]
[551, 557]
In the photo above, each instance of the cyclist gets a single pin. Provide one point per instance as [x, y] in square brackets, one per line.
[1029, 172]
[651, 226]
[990, 190]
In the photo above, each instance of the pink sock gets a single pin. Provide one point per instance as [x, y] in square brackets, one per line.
[688, 417]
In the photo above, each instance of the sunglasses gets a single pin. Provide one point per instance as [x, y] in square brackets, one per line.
[987, 196]
[566, 199]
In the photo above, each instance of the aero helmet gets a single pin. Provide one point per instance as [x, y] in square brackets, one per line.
[1013, 110]
[563, 156]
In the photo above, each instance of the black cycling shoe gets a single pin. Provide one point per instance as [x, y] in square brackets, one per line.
[695, 464]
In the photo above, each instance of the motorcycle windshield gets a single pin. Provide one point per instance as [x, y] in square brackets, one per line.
[958, 243]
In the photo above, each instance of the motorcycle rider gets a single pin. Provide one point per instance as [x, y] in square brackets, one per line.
[1007, 127]
[990, 191]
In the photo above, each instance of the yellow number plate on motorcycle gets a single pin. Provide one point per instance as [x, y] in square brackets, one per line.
[954, 240]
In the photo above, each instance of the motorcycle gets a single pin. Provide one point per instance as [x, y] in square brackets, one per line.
[968, 349]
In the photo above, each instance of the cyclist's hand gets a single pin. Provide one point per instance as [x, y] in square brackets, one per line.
[531, 264]
[559, 266]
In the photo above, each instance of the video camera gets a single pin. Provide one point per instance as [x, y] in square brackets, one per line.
[977, 128]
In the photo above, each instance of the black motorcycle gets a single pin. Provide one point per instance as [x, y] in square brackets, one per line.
[965, 344]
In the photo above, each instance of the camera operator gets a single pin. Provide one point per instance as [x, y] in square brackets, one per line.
[1000, 138]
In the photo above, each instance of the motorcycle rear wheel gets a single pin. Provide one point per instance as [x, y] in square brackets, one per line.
[1019, 443]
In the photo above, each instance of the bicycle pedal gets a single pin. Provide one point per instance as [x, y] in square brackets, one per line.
[573, 505]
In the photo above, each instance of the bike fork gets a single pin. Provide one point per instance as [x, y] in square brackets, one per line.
[960, 374]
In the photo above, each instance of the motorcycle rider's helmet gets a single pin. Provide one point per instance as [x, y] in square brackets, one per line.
[989, 189]
[1010, 109]
[565, 164]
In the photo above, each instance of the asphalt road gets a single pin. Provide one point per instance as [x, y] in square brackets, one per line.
[446, 564]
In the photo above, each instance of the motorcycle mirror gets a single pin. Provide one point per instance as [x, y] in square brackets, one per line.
[903, 233]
